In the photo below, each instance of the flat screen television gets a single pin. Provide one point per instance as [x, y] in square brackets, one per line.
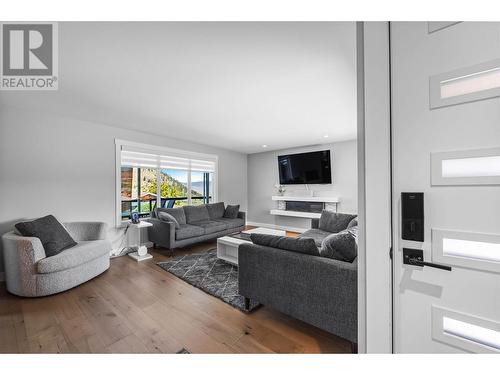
[305, 168]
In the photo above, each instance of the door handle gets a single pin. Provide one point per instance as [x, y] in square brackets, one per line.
[415, 257]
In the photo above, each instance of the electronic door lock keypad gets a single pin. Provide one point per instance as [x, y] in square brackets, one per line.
[412, 216]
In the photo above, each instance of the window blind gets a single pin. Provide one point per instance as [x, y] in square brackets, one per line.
[132, 157]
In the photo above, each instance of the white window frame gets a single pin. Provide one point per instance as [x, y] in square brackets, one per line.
[119, 143]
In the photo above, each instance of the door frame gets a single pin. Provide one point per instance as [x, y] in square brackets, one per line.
[375, 266]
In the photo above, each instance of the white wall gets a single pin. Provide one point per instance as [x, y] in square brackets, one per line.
[263, 175]
[374, 241]
[66, 167]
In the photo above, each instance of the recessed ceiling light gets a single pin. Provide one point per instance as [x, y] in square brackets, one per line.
[325, 136]
[264, 146]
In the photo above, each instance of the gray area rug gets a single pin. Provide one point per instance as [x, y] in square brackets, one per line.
[214, 276]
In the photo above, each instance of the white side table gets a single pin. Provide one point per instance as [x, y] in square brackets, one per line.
[142, 251]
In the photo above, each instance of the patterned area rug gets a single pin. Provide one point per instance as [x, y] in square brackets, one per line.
[214, 276]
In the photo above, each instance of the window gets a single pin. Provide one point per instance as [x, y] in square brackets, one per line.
[151, 176]
[469, 84]
[138, 191]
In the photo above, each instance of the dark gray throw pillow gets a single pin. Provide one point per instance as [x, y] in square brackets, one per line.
[53, 236]
[177, 213]
[231, 211]
[353, 223]
[334, 222]
[341, 246]
[165, 216]
[216, 210]
[298, 245]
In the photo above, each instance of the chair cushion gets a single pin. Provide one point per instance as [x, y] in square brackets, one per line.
[231, 223]
[188, 231]
[177, 213]
[334, 222]
[210, 226]
[317, 235]
[82, 252]
[231, 211]
[341, 246]
[298, 245]
[165, 216]
[196, 213]
[53, 236]
[216, 210]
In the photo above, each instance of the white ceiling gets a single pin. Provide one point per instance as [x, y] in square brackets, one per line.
[231, 85]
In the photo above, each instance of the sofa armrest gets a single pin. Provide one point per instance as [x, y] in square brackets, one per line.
[314, 223]
[242, 215]
[162, 233]
[21, 255]
[317, 290]
[87, 230]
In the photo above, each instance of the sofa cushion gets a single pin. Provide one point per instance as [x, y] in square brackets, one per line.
[165, 216]
[177, 213]
[215, 210]
[317, 235]
[211, 226]
[298, 245]
[231, 211]
[334, 222]
[341, 246]
[196, 213]
[53, 236]
[232, 223]
[82, 252]
[188, 231]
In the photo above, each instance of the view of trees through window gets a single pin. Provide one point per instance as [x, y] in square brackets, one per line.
[139, 189]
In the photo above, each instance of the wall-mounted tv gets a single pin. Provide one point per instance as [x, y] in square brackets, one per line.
[305, 168]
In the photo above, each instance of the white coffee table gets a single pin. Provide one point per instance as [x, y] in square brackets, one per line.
[227, 247]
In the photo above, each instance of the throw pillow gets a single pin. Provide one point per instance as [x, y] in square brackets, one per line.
[177, 213]
[341, 246]
[353, 223]
[216, 210]
[334, 222]
[165, 216]
[231, 211]
[298, 245]
[53, 236]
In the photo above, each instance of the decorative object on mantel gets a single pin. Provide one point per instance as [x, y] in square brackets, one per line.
[210, 274]
[280, 189]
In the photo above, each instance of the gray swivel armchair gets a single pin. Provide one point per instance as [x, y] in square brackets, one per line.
[29, 273]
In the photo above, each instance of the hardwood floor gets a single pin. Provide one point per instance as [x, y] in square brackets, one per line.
[139, 308]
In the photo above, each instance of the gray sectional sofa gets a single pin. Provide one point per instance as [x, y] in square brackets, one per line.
[183, 226]
[313, 288]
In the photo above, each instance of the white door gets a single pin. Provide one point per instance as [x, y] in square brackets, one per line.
[446, 144]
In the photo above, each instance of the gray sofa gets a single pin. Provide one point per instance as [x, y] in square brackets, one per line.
[317, 290]
[30, 273]
[193, 224]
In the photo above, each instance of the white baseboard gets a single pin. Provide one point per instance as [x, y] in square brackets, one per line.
[274, 226]
[2, 276]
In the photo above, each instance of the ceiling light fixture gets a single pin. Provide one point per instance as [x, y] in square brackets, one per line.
[264, 146]
[325, 136]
